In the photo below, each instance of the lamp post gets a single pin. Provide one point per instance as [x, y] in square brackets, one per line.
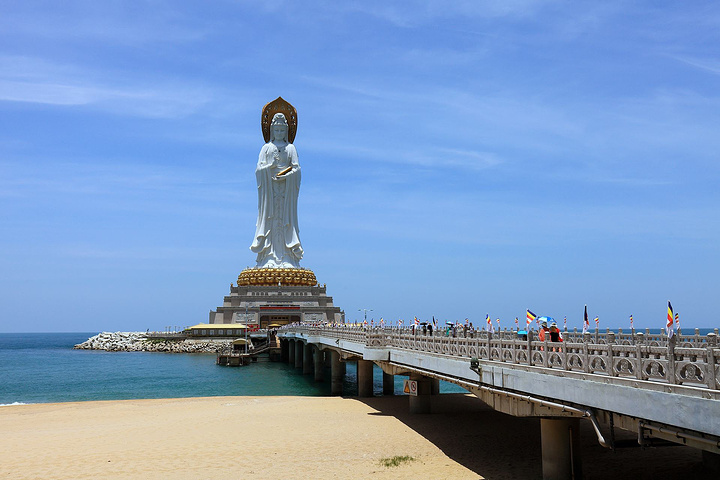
[365, 310]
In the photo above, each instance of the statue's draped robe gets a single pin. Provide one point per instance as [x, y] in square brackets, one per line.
[277, 240]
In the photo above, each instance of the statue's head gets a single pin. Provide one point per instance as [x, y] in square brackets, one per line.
[279, 128]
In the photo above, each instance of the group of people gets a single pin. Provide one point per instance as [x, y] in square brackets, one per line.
[552, 334]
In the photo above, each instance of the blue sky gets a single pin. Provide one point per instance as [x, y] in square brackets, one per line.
[459, 158]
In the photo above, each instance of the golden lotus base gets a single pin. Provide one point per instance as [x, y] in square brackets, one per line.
[268, 277]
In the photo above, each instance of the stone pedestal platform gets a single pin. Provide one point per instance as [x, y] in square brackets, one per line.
[274, 297]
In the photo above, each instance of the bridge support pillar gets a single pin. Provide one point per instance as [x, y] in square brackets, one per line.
[336, 373]
[284, 350]
[434, 386]
[560, 448]
[365, 378]
[421, 402]
[298, 354]
[711, 461]
[388, 384]
[307, 364]
[319, 364]
[291, 352]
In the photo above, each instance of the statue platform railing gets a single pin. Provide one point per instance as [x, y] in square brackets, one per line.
[692, 360]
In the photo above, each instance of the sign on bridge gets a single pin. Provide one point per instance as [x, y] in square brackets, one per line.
[410, 387]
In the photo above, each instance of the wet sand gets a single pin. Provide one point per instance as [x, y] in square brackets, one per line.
[299, 437]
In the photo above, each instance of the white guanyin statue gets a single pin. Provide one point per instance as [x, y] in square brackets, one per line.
[277, 240]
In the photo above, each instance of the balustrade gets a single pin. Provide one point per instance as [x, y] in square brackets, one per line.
[690, 359]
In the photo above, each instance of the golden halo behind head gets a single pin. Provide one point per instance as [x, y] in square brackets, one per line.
[279, 105]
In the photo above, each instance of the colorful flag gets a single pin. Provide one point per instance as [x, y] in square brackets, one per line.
[586, 322]
[669, 326]
[677, 321]
[400, 322]
[597, 322]
[565, 323]
[417, 322]
[517, 324]
[489, 323]
[498, 322]
[434, 322]
[632, 327]
[530, 317]
[382, 322]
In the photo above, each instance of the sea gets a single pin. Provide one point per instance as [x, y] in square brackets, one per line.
[44, 368]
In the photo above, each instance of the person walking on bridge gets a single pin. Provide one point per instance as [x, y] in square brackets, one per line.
[544, 330]
[555, 335]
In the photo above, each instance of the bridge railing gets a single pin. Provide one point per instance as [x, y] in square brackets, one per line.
[690, 360]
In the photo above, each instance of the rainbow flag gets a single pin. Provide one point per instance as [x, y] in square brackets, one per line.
[530, 317]
[670, 318]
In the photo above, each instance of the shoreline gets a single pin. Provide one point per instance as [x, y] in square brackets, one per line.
[298, 437]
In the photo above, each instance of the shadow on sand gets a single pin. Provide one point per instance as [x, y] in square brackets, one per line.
[498, 446]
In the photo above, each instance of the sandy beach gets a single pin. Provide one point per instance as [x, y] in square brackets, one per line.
[297, 437]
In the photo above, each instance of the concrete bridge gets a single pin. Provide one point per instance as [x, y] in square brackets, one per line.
[664, 391]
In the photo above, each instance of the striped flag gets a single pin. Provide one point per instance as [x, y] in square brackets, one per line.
[517, 324]
[498, 322]
[632, 327]
[597, 322]
[677, 321]
[530, 317]
[586, 322]
[489, 323]
[400, 322]
[434, 322]
[417, 322]
[670, 317]
[565, 322]
[382, 322]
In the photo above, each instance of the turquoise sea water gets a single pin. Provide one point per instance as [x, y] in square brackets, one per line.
[43, 368]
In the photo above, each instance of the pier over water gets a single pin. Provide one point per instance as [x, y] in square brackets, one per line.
[662, 390]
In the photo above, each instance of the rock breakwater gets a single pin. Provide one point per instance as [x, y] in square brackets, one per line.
[139, 342]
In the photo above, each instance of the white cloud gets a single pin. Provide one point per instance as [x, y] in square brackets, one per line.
[707, 64]
[35, 80]
[418, 12]
[107, 21]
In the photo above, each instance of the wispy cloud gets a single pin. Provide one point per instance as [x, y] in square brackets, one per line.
[110, 180]
[110, 22]
[418, 12]
[706, 64]
[33, 80]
